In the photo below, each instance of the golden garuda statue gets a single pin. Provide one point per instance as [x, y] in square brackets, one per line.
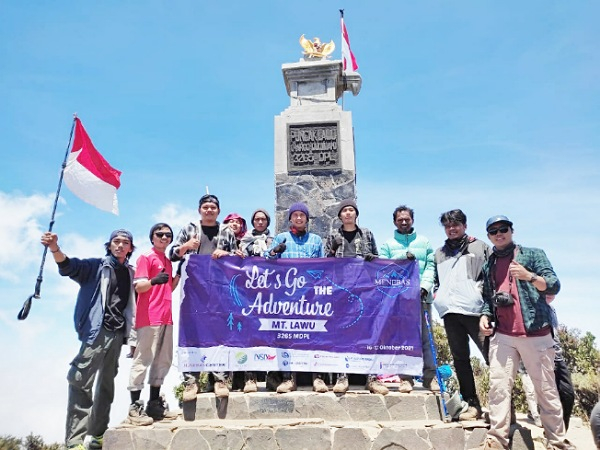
[316, 48]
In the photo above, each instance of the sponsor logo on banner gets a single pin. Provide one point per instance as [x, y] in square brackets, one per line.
[264, 357]
[392, 280]
[241, 358]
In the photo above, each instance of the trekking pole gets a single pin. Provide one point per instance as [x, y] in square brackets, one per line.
[443, 391]
[38, 285]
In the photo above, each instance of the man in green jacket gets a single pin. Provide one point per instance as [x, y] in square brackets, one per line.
[516, 281]
[407, 244]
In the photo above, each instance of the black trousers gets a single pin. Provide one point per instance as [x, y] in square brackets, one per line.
[566, 392]
[459, 328]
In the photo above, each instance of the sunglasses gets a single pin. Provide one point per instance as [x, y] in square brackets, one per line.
[498, 230]
[160, 235]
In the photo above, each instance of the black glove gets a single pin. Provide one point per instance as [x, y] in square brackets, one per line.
[370, 257]
[279, 248]
[410, 256]
[424, 295]
[336, 243]
[161, 278]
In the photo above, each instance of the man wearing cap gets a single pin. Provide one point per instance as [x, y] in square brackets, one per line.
[298, 242]
[458, 300]
[516, 281]
[154, 284]
[352, 241]
[205, 237]
[103, 319]
[407, 244]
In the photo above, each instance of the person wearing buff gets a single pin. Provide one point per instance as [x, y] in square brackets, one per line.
[518, 319]
[458, 300]
[154, 284]
[238, 225]
[352, 241]
[259, 239]
[298, 242]
[103, 319]
[205, 237]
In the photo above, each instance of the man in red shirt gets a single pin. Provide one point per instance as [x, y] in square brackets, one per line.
[154, 284]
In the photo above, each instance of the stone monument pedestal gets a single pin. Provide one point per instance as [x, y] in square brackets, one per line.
[314, 143]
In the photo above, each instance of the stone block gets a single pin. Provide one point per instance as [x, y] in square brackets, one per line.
[522, 440]
[236, 408]
[406, 407]
[188, 439]
[303, 438]
[272, 406]
[433, 407]
[447, 438]
[401, 439]
[206, 407]
[475, 437]
[325, 406]
[151, 439]
[350, 438]
[226, 438]
[366, 407]
[259, 439]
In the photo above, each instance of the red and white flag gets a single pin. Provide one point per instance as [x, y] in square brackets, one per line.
[348, 58]
[89, 176]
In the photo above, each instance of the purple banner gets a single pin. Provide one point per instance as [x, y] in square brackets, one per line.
[308, 307]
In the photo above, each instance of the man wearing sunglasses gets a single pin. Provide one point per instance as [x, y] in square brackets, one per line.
[519, 320]
[153, 283]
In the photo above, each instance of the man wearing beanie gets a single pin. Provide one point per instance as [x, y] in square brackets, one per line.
[516, 315]
[459, 302]
[103, 319]
[205, 237]
[352, 241]
[298, 242]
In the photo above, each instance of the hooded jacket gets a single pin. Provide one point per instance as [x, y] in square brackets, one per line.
[93, 276]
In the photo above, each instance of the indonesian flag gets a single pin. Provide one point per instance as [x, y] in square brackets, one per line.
[89, 176]
[348, 58]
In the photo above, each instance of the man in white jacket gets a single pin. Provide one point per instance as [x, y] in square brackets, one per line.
[459, 302]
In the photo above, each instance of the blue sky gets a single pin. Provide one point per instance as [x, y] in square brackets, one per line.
[491, 107]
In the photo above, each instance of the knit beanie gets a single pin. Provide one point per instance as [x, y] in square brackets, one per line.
[298, 207]
[347, 202]
[264, 212]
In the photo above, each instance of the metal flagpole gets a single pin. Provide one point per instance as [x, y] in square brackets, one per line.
[36, 294]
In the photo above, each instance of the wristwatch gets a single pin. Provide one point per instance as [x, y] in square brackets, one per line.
[533, 278]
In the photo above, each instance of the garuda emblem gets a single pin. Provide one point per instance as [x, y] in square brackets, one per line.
[316, 48]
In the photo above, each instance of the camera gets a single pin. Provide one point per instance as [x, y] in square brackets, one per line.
[502, 298]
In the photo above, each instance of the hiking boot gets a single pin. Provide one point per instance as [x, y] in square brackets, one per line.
[286, 386]
[77, 447]
[96, 442]
[405, 386]
[250, 386]
[137, 415]
[374, 386]
[190, 392]
[472, 413]
[158, 409]
[341, 385]
[221, 389]
[432, 385]
[320, 386]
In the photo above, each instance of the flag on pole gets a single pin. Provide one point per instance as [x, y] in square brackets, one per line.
[348, 58]
[89, 176]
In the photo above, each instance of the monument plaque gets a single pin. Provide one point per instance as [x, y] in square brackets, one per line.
[313, 146]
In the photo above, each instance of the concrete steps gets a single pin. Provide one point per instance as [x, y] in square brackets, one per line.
[304, 420]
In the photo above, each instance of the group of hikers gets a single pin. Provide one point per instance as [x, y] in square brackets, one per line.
[499, 297]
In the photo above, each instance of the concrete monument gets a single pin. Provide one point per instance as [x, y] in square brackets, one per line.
[314, 141]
